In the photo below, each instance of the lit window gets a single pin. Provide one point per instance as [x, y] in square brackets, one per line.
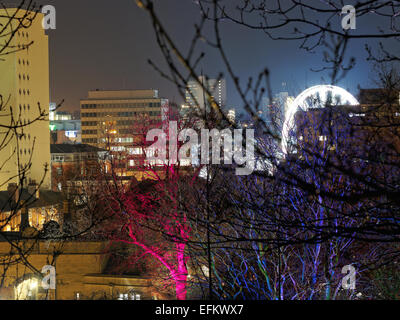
[136, 151]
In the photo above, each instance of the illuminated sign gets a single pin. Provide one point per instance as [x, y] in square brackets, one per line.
[71, 134]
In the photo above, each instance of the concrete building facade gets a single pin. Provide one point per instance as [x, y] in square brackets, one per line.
[116, 121]
[115, 112]
[24, 79]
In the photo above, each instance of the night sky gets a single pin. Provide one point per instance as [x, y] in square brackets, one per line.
[105, 44]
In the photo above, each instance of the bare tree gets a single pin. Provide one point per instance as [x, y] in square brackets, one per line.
[327, 196]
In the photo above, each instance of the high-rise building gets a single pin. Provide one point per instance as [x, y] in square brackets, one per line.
[110, 119]
[231, 115]
[283, 100]
[24, 79]
[115, 112]
[195, 95]
[274, 112]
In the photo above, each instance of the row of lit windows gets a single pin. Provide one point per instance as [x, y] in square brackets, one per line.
[89, 140]
[88, 106]
[89, 123]
[37, 217]
[121, 105]
[89, 115]
[74, 157]
[89, 131]
[118, 114]
[123, 140]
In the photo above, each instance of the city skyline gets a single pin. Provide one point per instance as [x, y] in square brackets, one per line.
[81, 51]
[255, 159]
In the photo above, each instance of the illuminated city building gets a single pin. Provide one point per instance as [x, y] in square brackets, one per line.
[24, 78]
[231, 115]
[64, 127]
[115, 112]
[115, 121]
[195, 95]
[73, 164]
[36, 207]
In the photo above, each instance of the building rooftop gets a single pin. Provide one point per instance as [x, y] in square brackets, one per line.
[122, 94]
[46, 198]
[74, 148]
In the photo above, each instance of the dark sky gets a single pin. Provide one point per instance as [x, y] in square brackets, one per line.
[105, 44]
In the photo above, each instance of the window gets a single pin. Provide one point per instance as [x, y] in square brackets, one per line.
[124, 140]
[117, 148]
[58, 158]
[136, 151]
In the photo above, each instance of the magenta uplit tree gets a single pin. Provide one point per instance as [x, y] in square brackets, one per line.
[150, 214]
[154, 222]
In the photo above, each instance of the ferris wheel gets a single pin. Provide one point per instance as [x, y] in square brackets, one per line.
[315, 97]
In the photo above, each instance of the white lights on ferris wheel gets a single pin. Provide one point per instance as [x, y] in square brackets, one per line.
[314, 98]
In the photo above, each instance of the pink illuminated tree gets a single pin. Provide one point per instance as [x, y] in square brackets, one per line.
[154, 222]
[150, 213]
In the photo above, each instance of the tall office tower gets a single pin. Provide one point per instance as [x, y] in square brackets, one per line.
[283, 100]
[274, 112]
[231, 115]
[24, 80]
[109, 120]
[195, 95]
